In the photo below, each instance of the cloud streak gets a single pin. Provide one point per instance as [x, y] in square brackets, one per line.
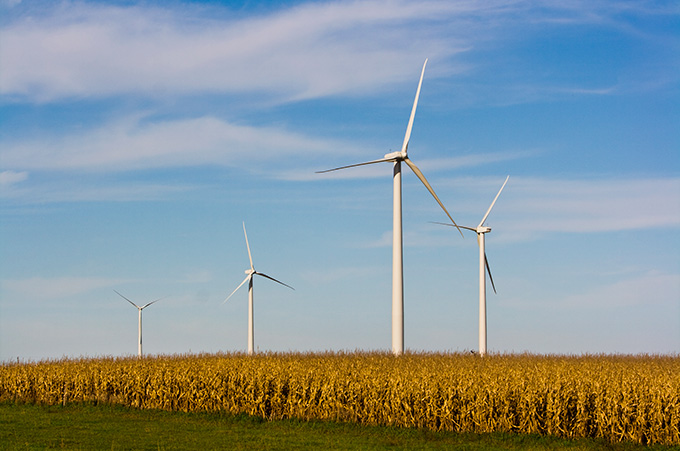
[8, 178]
[83, 50]
[531, 207]
[133, 142]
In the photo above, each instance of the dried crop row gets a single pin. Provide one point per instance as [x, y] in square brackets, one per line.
[620, 398]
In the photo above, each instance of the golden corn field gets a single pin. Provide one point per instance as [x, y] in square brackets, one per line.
[619, 398]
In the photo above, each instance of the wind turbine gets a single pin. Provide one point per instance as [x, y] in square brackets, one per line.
[397, 238]
[249, 278]
[139, 309]
[482, 230]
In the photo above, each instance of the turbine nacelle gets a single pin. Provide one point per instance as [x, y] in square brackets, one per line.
[250, 271]
[483, 229]
[394, 156]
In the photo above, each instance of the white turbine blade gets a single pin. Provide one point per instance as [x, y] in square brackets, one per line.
[271, 278]
[451, 225]
[382, 160]
[250, 257]
[488, 271]
[240, 285]
[494, 201]
[422, 178]
[407, 137]
[126, 299]
[152, 302]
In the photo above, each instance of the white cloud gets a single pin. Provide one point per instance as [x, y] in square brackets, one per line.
[130, 143]
[531, 207]
[584, 206]
[78, 49]
[8, 178]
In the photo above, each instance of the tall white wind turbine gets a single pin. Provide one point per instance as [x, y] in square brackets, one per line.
[249, 278]
[481, 231]
[139, 309]
[397, 239]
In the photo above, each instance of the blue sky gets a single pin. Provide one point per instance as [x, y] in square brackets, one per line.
[136, 137]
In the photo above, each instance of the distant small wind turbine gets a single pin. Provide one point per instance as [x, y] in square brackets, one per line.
[482, 230]
[139, 309]
[397, 238]
[249, 278]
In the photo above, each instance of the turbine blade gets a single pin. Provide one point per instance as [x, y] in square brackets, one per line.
[488, 270]
[422, 178]
[382, 160]
[152, 302]
[126, 299]
[240, 285]
[250, 257]
[271, 278]
[451, 225]
[494, 201]
[407, 137]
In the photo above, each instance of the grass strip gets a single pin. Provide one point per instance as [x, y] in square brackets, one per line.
[86, 426]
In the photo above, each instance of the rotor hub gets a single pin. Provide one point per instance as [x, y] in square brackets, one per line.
[395, 155]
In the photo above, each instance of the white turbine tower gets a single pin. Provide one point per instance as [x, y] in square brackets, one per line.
[482, 230]
[139, 309]
[397, 239]
[249, 278]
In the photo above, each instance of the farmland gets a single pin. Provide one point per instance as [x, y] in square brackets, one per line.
[616, 398]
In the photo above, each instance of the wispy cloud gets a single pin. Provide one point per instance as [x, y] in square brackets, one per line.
[8, 178]
[134, 142]
[78, 49]
[531, 207]
[87, 50]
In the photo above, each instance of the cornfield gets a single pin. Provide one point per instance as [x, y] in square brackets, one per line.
[619, 398]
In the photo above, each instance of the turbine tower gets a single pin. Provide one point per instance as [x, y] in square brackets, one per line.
[250, 272]
[481, 231]
[397, 239]
[139, 309]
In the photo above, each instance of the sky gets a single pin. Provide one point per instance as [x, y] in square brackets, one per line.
[136, 138]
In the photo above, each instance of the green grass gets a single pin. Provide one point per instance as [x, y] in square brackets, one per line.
[88, 426]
